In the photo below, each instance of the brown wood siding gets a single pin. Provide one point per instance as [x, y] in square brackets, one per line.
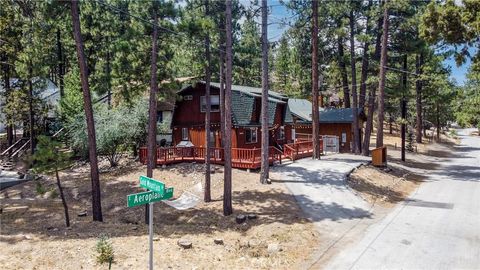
[241, 139]
[335, 129]
[188, 113]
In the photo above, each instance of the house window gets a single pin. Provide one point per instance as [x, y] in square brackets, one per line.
[251, 135]
[281, 133]
[214, 103]
[293, 134]
[188, 97]
[184, 134]
[159, 117]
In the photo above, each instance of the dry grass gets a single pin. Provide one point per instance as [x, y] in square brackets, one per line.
[384, 186]
[33, 235]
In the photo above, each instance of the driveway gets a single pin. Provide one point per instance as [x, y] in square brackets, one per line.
[320, 188]
[436, 228]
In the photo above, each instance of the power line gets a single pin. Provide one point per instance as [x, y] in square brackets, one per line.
[151, 23]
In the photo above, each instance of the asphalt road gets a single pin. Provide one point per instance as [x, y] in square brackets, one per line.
[438, 227]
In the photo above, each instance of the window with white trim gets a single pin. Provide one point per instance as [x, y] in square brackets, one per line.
[214, 103]
[251, 135]
[184, 134]
[281, 133]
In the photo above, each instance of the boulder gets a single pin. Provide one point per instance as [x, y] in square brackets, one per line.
[273, 248]
[218, 241]
[252, 216]
[184, 243]
[240, 218]
[82, 214]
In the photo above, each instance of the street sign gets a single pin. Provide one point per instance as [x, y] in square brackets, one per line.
[157, 192]
[148, 197]
[152, 184]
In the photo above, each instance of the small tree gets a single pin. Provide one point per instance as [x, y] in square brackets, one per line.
[105, 251]
[49, 157]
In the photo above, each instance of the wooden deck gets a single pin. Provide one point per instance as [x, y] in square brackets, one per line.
[242, 158]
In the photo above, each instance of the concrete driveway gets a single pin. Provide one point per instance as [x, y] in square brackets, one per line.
[320, 188]
[438, 227]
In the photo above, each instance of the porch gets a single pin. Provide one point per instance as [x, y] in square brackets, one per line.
[242, 158]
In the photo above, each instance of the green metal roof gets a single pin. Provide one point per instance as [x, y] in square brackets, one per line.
[288, 115]
[252, 90]
[343, 115]
[242, 109]
[302, 109]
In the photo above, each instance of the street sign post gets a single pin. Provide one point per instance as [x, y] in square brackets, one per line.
[157, 192]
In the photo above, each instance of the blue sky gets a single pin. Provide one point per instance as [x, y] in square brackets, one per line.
[275, 30]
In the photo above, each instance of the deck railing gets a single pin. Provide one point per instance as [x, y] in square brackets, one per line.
[241, 157]
[300, 149]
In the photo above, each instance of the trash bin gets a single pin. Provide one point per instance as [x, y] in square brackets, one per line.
[379, 156]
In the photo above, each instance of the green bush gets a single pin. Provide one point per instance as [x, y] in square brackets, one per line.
[104, 249]
[116, 129]
[39, 188]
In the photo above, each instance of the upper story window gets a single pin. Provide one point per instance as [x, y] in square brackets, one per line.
[214, 103]
[184, 134]
[281, 133]
[251, 135]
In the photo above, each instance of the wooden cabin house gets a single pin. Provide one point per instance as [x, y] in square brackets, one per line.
[188, 121]
[333, 121]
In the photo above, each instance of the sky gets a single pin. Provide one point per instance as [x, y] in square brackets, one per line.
[279, 12]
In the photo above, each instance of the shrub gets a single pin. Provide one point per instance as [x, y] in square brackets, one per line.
[39, 188]
[116, 129]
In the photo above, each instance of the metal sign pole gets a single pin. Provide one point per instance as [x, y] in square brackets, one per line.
[150, 231]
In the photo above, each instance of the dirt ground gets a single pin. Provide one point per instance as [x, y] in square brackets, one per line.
[389, 185]
[383, 186]
[33, 234]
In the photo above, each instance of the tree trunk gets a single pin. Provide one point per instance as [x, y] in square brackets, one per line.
[369, 124]
[343, 72]
[6, 83]
[30, 109]
[87, 106]
[403, 106]
[264, 110]
[62, 196]
[109, 84]
[315, 109]
[372, 93]
[438, 120]
[365, 62]
[418, 90]
[61, 69]
[356, 133]
[207, 195]
[152, 108]
[381, 84]
[227, 187]
[222, 79]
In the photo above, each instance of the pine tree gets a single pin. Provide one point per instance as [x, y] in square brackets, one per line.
[87, 106]
[264, 171]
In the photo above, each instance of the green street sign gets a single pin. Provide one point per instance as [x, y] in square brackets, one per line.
[152, 184]
[148, 197]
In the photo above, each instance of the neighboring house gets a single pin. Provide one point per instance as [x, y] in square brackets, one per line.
[188, 122]
[164, 122]
[44, 89]
[333, 121]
